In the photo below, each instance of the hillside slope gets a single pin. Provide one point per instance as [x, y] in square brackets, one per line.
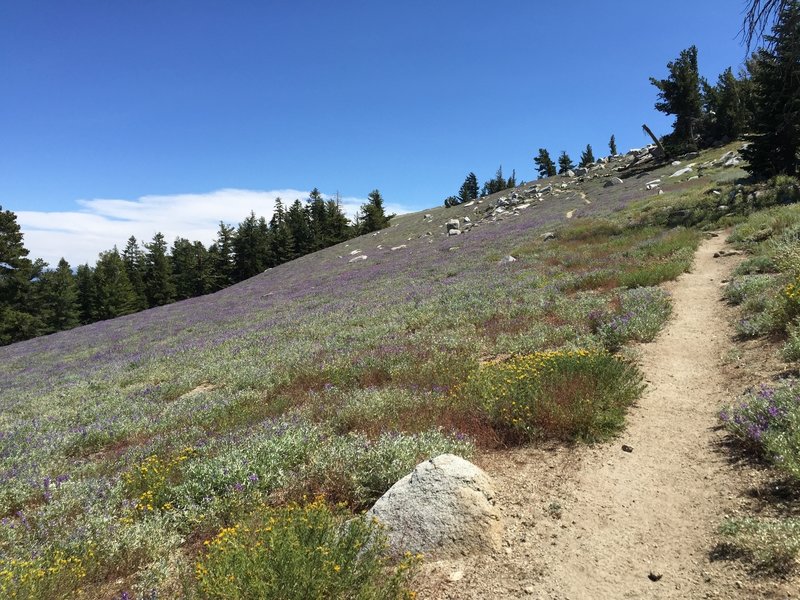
[331, 374]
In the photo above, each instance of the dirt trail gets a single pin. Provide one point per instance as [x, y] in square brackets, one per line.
[594, 523]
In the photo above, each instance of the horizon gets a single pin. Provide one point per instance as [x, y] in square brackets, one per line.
[127, 120]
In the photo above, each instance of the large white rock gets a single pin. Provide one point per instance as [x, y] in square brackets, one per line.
[681, 172]
[445, 507]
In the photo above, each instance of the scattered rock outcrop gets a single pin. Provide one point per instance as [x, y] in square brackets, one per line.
[445, 507]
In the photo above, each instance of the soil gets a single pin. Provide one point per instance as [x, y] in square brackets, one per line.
[636, 517]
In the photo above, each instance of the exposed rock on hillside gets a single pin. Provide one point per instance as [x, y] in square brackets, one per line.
[444, 507]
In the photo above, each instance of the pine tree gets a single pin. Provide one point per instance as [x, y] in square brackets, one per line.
[113, 293]
[59, 294]
[679, 95]
[564, 163]
[727, 107]
[775, 144]
[158, 283]
[544, 164]
[497, 184]
[18, 318]
[452, 201]
[221, 258]
[512, 181]
[612, 145]
[252, 248]
[373, 216]
[299, 224]
[133, 257]
[190, 269]
[282, 242]
[469, 189]
[587, 156]
[337, 225]
[87, 293]
[317, 215]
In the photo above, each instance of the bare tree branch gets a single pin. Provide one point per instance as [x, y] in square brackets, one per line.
[757, 16]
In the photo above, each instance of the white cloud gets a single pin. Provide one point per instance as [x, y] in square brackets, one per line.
[98, 225]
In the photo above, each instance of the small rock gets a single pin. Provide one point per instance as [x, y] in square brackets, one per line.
[529, 589]
[398, 247]
[548, 236]
[506, 260]
[626, 448]
[455, 576]
[357, 258]
[454, 232]
[654, 576]
[354, 252]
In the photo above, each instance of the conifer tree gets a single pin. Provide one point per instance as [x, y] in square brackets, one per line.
[87, 296]
[497, 184]
[679, 95]
[221, 258]
[317, 216]
[252, 248]
[299, 224]
[564, 163]
[18, 320]
[59, 294]
[337, 224]
[727, 107]
[587, 156]
[133, 257]
[113, 292]
[373, 217]
[775, 144]
[282, 243]
[612, 145]
[159, 287]
[190, 269]
[544, 164]
[512, 181]
[469, 189]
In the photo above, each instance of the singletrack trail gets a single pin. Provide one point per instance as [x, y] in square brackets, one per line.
[595, 522]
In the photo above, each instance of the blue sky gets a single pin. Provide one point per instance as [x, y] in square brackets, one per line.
[159, 108]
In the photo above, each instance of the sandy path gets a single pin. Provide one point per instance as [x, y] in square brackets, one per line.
[594, 523]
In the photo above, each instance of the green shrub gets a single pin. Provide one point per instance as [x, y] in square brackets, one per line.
[767, 421]
[640, 315]
[754, 265]
[567, 394]
[748, 286]
[300, 552]
[52, 575]
[772, 545]
[791, 349]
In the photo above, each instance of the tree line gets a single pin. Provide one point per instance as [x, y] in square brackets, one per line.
[37, 300]
[761, 104]
[470, 190]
